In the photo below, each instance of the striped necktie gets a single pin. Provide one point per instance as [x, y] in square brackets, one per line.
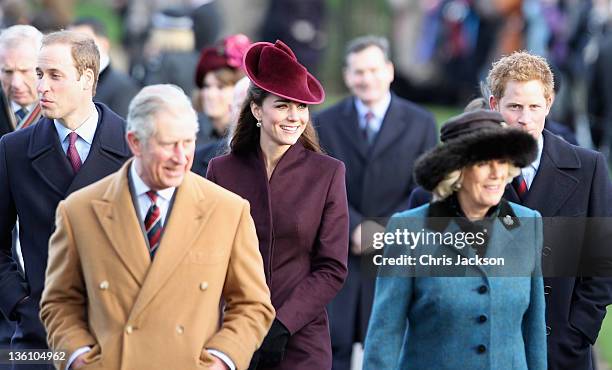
[153, 224]
[20, 114]
[520, 185]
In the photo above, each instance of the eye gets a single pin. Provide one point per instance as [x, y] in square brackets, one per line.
[302, 106]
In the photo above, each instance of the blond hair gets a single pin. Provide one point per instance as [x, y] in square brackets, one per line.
[522, 67]
[454, 180]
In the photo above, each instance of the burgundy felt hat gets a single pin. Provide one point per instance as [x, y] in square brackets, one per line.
[274, 68]
[226, 54]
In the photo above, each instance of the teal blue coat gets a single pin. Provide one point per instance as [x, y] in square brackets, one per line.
[481, 320]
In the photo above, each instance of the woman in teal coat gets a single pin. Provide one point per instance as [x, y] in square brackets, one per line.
[448, 300]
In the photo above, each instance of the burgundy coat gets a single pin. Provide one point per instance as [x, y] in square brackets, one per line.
[301, 216]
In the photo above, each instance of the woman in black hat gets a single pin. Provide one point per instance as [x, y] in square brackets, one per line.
[465, 291]
[298, 202]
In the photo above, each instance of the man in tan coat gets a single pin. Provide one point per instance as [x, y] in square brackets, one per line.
[140, 260]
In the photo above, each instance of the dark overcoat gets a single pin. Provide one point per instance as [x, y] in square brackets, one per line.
[116, 89]
[301, 219]
[35, 176]
[379, 181]
[571, 184]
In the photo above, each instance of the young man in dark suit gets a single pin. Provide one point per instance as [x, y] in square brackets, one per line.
[372, 132]
[564, 181]
[566, 184]
[75, 144]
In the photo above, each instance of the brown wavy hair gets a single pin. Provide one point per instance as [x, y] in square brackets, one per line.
[245, 138]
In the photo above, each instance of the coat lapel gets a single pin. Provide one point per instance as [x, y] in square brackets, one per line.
[390, 129]
[108, 151]
[117, 215]
[48, 158]
[546, 196]
[350, 129]
[184, 224]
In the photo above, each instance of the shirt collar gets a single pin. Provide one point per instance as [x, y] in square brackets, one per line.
[379, 109]
[141, 188]
[536, 163]
[86, 131]
[15, 107]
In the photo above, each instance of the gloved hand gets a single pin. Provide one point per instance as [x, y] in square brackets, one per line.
[272, 350]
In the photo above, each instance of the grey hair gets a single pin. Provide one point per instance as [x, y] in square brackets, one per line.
[150, 101]
[454, 180]
[16, 35]
[361, 43]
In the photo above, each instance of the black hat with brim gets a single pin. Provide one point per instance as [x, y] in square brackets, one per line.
[471, 138]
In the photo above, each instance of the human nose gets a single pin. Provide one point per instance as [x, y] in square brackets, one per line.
[293, 114]
[41, 85]
[180, 153]
[494, 170]
[16, 80]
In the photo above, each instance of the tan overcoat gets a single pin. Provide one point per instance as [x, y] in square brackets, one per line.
[103, 291]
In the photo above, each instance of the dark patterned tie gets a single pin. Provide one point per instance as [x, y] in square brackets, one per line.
[153, 224]
[368, 132]
[20, 114]
[72, 153]
[520, 185]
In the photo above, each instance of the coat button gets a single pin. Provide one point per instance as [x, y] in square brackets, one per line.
[203, 285]
[547, 289]
[481, 348]
[482, 319]
[129, 329]
[546, 251]
[180, 329]
[104, 285]
[483, 289]
[548, 329]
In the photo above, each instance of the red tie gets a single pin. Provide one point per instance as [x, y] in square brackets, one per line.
[152, 223]
[520, 185]
[73, 155]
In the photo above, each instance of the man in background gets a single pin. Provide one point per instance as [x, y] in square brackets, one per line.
[372, 132]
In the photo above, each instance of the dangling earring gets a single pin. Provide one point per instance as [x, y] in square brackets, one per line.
[258, 124]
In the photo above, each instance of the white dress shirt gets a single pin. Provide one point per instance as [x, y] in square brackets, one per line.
[378, 110]
[530, 171]
[85, 132]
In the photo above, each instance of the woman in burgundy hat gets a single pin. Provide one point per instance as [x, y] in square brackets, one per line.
[298, 203]
[217, 72]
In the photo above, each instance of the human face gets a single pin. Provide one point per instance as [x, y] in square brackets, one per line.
[368, 75]
[216, 98]
[282, 121]
[18, 73]
[63, 94]
[524, 105]
[483, 186]
[163, 159]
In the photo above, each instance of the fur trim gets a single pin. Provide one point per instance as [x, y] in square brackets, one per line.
[518, 147]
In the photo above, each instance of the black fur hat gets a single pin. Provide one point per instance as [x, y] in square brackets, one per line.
[470, 138]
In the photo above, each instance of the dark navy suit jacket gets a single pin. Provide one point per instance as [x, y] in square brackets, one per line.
[35, 176]
[378, 180]
[571, 182]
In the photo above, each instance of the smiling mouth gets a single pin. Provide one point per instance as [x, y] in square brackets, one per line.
[492, 187]
[291, 129]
